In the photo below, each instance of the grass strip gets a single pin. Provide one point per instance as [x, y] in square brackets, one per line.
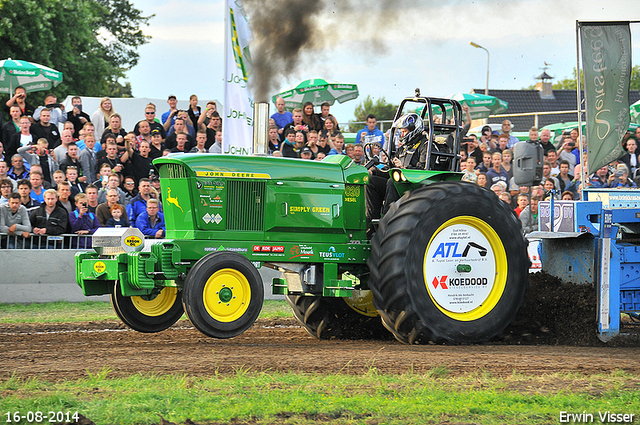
[293, 398]
[63, 311]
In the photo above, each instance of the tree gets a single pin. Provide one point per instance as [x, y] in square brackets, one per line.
[93, 42]
[380, 108]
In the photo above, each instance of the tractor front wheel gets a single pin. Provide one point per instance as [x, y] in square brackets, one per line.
[149, 314]
[223, 294]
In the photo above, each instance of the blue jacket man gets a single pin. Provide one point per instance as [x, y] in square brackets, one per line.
[370, 133]
[151, 222]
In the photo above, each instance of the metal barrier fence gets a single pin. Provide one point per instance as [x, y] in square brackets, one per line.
[66, 241]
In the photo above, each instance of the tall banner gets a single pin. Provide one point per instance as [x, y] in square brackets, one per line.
[237, 122]
[606, 62]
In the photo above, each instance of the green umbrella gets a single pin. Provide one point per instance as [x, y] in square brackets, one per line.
[558, 128]
[634, 110]
[31, 76]
[480, 105]
[317, 91]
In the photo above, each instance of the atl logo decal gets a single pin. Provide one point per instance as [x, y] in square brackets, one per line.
[442, 282]
[445, 250]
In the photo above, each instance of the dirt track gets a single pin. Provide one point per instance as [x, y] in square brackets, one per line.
[554, 332]
[64, 351]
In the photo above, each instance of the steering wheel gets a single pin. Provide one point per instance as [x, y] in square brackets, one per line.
[373, 161]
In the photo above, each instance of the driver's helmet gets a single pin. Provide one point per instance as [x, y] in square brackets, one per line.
[413, 123]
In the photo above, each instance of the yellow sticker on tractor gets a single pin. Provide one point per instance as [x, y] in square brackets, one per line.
[132, 241]
[99, 267]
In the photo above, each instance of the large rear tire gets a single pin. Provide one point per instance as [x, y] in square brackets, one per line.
[448, 263]
[223, 294]
[338, 318]
[148, 314]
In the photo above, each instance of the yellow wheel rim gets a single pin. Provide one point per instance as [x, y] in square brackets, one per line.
[463, 283]
[227, 295]
[362, 303]
[158, 306]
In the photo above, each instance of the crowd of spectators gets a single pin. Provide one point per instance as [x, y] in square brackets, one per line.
[68, 172]
[65, 172]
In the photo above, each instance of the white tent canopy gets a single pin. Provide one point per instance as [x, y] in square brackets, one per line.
[132, 108]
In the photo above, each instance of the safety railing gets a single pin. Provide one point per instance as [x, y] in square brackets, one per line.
[65, 241]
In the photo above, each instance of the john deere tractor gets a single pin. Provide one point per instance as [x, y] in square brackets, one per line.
[447, 262]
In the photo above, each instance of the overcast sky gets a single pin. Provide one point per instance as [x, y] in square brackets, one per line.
[429, 48]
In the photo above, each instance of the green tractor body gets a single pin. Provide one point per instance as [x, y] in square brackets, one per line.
[227, 216]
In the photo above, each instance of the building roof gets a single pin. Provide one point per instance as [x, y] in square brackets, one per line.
[522, 101]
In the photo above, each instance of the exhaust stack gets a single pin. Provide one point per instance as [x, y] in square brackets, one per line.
[260, 128]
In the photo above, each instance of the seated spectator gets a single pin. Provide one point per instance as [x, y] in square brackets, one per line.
[14, 221]
[112, 183]
[118, 217]
[217, 145]
[83, 221]
[139, 203]
[529, 216]
[151, 221]
[338, 146]
[49, 218]
[312, 142]
[102, 179]
[103, 212]
[24, 190]
[506, 198]
[92, 197]
[6, 189]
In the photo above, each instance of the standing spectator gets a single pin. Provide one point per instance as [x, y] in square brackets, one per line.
[111, 157]
[18, 169]
[23, 138]
[507, 158]
[189, 129]
[631, 158]
[150, 117]
[469, 170]
[181, 142]
[564, 178]
[113, 183]
[103, 212]
[141, 162]
[169, 116]
[14, 221]
[151, 221]
[296, 124]
[484, 166]
[482, 180]
[72, 178]
[293, 151]
[274, 139]
[201, 140]
[497, 173]
[83, 221]
[115, 128]
[76, 116]
[310, 119]
[281, 117]
[473, 149]
[58, 177]
[506, 129]
[306, 153]
[602, 178]
[529, 216]
[194, 110]
[102, 179]
[37, 189]
[38, 154]
[89, 158]
[503, 141]
[24, 190]
[101, 116]
[45, 128]
[371, 133]
[65, 197]
[19, 99]
[338, 146]
[552, 158]
[180, 126]
[60, 152]
[58, 116]
[217, 145]
[92, 197]
[6, 189]
[545, 137]
[144, 133]
[11, 127]
[523, 201]
[325, 114]
[129, 187]
[330, 129]
[157, 145]
[358, 154]
[118, 217]
[71, 159]
[139, 203]
[49, 218]
[566, 154]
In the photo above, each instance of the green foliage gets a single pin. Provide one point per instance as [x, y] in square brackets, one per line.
[93, 42]
[380, 108]
[295, 398]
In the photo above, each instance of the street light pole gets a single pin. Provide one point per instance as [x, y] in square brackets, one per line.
[486, 90]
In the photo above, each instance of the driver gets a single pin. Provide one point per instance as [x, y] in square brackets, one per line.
[411, 153]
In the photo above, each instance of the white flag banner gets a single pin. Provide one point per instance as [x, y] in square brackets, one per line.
[237, 123]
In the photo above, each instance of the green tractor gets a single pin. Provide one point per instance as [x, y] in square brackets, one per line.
[447, 262]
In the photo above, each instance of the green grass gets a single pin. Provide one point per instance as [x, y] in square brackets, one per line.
[295, 398]
[61, 312]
